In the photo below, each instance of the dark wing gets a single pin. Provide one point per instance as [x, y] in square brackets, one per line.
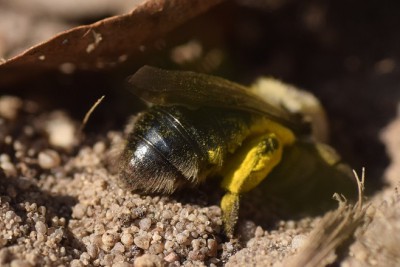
[193, 90]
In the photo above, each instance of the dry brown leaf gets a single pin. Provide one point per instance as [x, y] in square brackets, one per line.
[107, 42]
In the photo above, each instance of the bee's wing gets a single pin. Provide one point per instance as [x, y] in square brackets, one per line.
[193, 90]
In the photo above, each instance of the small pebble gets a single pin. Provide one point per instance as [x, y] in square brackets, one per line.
[84, 258]
[196, 255]
[127, 239]
[198, 243]
[145, 224]
[168, 244]
[108, 259]
[298, 241]
[212, 245]
[121, 264]
[148, 260]
[10, 215]
[167, 214]
[76, 263]
[142, 241]
[156, 248]
[20, 263]
[192, 217]
[171, 257]
[181, 238]
[108, 239]
[79, 210]
[61, 131]
[41, 227]
[119, 248]
[8, 168]
[9, 107]
[99, 147]
[259, 232]
[48, 159]
[156, 237]
[92, 250]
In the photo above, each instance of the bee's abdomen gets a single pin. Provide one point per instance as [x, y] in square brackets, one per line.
[161, 155]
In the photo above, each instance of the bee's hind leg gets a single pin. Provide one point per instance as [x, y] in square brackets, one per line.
[250, 164]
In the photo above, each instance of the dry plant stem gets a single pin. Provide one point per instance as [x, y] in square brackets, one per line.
[333, 229]
[360, 185]
[89, 113]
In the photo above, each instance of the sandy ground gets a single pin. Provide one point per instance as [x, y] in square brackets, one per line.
[61, 204]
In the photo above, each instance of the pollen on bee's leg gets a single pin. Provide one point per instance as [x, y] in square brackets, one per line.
[252, 163]
[230, 212]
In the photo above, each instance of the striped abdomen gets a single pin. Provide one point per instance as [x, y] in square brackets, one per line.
[170, 147]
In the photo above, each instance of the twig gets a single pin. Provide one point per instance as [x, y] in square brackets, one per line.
[89, 113]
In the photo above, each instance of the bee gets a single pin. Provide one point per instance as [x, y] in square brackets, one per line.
[202, 126]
